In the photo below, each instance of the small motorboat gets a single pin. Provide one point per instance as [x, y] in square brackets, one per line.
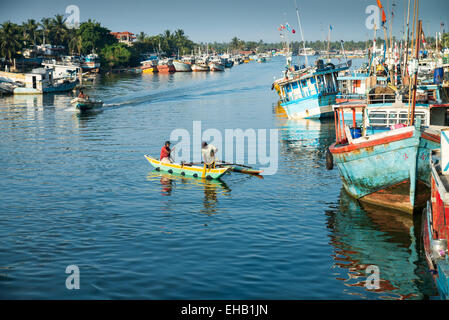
[86, 104]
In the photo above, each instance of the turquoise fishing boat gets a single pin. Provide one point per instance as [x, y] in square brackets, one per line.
[388, 168]
[310, 92]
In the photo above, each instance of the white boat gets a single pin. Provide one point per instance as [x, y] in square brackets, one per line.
[216, 64]
[201, 64]
[181, 66]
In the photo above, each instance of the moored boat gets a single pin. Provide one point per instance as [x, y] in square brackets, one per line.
[387, 167]
[166, 66]
[216, 64]
[187, 169]
[435, 224]
[181, 66]
[149, 66]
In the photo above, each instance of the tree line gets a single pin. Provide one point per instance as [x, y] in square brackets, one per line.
[92, 37]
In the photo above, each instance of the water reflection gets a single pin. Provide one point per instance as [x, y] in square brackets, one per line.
[364, 235]
[212, 189]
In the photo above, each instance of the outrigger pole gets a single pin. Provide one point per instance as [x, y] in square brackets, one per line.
[302, 35]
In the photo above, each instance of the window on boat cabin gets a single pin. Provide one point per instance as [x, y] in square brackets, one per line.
[295, 85]
[289, 88]
[312, 80]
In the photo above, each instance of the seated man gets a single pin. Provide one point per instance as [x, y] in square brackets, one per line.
[166, 153]
[82, 95]
[208, 151]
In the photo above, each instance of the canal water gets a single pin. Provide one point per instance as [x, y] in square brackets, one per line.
[77, 190]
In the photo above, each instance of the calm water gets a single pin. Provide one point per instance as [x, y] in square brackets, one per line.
[76, 189]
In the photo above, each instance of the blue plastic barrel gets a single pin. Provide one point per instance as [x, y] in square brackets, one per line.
[356, 133]
[438, 75]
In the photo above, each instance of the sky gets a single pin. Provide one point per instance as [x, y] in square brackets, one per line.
[221, 20]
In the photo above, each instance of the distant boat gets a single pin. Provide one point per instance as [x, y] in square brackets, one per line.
[216, 64]
[201, 64]
[149, 66]
[91, 63]
[181, 66]
[166, 66]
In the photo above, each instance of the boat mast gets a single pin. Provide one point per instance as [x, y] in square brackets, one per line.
[415, 79]
[302, 36]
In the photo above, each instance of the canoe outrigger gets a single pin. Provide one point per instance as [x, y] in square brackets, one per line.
[188, 169]
[86, 104]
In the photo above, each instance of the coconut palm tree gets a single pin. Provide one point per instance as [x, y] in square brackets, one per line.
[46, 29]
[29, 31]
[10, 40]
[76, 44]
[141, 36]
[59, 29]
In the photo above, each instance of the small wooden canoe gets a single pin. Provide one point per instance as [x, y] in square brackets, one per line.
[187, 170]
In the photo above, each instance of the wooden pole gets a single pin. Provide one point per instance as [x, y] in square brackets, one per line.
[415, 79]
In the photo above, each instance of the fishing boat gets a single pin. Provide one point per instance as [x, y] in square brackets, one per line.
[188, 169]
[166, 66]
[201, 64]
[310, 91]
[86, 104]
[149, 66]
[181, 66]
[386, 165]
[435, 224]
[216, 64]
[91, 63]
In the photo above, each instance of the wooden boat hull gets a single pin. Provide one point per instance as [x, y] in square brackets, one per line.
[382, 169]
[200, 68]
[216, 66]
[152, 69]
[312, 107]
[182, 66]
[191, 171]
[166, 68]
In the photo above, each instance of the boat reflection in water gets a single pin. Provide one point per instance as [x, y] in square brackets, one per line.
[364, 235]
[212, 188]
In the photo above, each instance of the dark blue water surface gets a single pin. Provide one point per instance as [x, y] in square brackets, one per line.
[76, 189]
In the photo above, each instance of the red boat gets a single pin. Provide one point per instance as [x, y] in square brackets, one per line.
[166, 66]
[435, 224]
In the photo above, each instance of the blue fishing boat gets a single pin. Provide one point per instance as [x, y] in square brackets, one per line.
[387, 167]
[310, 92]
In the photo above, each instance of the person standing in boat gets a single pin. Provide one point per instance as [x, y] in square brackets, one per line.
[208, 151]
[166, 153]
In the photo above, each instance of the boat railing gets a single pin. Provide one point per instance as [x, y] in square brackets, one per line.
[352, 96]
[381, 98]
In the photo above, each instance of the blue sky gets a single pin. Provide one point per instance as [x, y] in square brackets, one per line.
[220, 20]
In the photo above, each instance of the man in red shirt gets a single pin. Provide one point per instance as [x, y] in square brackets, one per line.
[166, 153]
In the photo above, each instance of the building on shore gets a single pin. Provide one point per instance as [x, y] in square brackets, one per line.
[124, 37]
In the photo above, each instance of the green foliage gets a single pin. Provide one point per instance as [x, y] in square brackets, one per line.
[166, 43]
[445, 40]
[94, 37]
[10, 40]
[118, 55]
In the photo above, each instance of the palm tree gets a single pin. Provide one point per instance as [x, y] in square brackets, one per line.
[76, 44]
[59, 28]
[141, 36]
[10, 40]
[46, 29]
[29, 30]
